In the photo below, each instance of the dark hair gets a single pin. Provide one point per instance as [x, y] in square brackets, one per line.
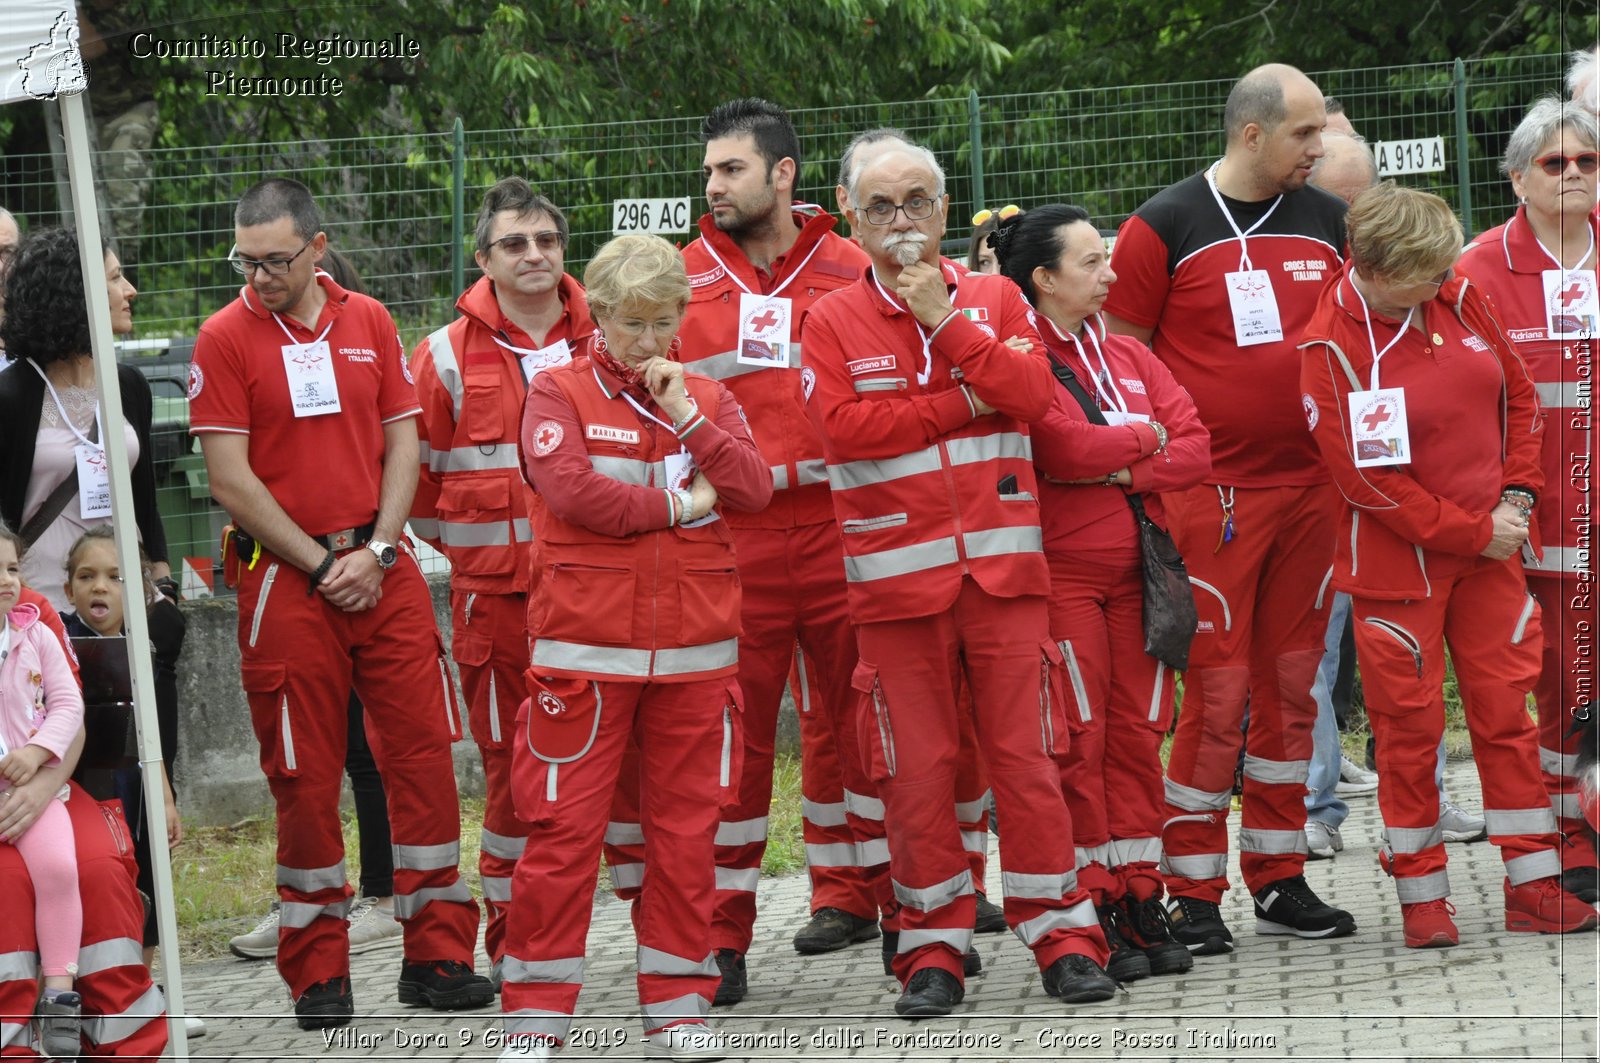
[279, 197]
[765, 123]
[344, 273]
[14, 539]
[980, 236]
[100, 533]
[513, 193]
[1332, 105]
[46, 316]
[1256, 98]
[1026, 241]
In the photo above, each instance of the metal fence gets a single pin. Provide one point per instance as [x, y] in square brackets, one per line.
[403, 207]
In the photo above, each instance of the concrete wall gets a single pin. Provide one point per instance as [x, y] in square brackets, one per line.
[219, 773]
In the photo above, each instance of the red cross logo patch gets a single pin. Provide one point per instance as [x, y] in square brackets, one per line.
[547, 436]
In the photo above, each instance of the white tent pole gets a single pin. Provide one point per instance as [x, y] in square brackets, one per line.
[74, 125]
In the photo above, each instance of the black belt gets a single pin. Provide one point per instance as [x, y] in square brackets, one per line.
[338, 541]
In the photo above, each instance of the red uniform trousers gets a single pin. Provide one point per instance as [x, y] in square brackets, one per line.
[1263, 608]
[489, 642]
[124, 1015]
[301, 657]
[1484, 613]
[1119, 706]
[687, 735]
[909, 722]
[1565, 682]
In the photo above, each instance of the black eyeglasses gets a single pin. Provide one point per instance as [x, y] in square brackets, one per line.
[917, 208]
[517, 243]
[275, 267]
[1556, 165]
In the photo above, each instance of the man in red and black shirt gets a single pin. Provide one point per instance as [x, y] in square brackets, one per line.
[1220, 273]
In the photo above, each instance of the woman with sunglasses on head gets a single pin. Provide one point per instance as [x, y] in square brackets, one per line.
[1143, 437]
[980, 253]
[1428, 421]
[634, 620]
[1539, 268]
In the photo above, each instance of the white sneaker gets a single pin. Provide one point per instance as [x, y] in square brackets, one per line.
[1322, 841]
[529, 1048]
[372, 927]
[262, 942]
[1460, 825]
[687, 1040]
[1354, 780]
[193, 1027]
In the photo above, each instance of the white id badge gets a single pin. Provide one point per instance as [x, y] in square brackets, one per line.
[1571, 309]
[1378, 429]
[764, 322]
[313, 390]
[1255, 308]
[1117, 417]
[680, 474]
[536, 362]
[94, 484]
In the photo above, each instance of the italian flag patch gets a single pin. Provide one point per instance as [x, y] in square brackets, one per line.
[975, 313]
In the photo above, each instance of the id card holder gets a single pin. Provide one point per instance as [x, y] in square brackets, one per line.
[764, 330]
[313, 389]
[681, 470]
[536, 362]
[1571, 306]
[1379, 432]
[94, 483]
[1117, 417]
[1254, 307]
[230, 558]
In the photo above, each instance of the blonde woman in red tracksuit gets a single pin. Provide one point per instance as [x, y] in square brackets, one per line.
[1429, 423]
[1120, 701]
[635, 622]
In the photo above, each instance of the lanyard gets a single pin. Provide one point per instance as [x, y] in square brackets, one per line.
[1244, 246]
[1564, 270]
[646, 413]
[746, 288]
[926, 372]
[1110, 397]
[1372, 343]
[62, 407]
[296, 342]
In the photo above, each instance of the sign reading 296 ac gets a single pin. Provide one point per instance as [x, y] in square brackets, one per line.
[1422, 155]
[650, 216]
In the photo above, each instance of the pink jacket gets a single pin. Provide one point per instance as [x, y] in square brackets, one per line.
[40, 703]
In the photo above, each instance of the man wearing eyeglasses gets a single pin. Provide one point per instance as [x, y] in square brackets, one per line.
[304, 407]
[520, 318]
[923, 414]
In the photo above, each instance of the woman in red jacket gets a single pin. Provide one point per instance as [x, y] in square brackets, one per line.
[1147, 438]
[634, 621]
[1429, 423]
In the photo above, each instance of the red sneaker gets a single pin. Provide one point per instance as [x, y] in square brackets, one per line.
[1429, 926]
[1542, 906]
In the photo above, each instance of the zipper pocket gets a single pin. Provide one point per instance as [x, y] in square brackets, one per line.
[1047, 730]
[1155, 698]
[114, 825]
[466, 613]
[494, 709]
[885, 731]
[725, 766]
[286, 732]
[1080, 693]
[1522, 622]
[1400, 635]
[444, 687]
[261, 602]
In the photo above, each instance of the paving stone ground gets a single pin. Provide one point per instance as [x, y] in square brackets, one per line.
[1497, 996]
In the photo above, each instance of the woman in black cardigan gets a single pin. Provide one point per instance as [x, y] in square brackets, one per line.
[47, 393]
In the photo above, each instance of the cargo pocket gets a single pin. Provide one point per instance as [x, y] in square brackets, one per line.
[473, 656]
[1053, 727]
[1158, 714]
[710, 600]
[731, 764]
[476, 503]
[1077, 710]
[447, 691]
[586, 603]
[872, 723]
[557, 725]
[272, 715]
[116, 820]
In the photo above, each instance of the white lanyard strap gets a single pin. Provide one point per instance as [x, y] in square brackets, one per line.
[1372, 343]
[926, 372]
[1556, 260]
[289, 334]
[746, 288]
[62, 407]
[644, 412]
[1110, 397]
[1244, 245]
[512, 347]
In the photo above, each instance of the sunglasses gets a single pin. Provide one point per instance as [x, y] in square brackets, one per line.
[1008, 211]
[1556, 165]
[517, 243]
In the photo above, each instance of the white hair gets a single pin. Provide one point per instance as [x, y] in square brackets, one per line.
[856, 165]
[1582, 81]
[1547, 117]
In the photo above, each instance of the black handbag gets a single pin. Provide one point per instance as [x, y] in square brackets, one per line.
[1170, 616]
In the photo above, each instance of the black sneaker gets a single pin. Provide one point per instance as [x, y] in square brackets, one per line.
[1583, 883]
[325, 1005]
[1288, 906]
[1150, 930]
[831, 929]
[1127, 963]
[991, 917]
[931, 991]
[1197, 925]
[1078, 980]
[735, 981]
[971, 963]
[444, 985]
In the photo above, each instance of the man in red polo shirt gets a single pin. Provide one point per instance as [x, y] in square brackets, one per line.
[523, 316]
[304, 407]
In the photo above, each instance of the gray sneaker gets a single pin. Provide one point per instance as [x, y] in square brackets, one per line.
[1354, 780]
[262, 942]
[61, 1025]
[372, 927]
[1322, 841]
[1459, 825]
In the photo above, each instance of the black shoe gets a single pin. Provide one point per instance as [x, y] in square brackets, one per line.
[991, 917]
[325, 1005]
[831, 929]
[1078, 980]
[971, 963]
[1150, 930]
[444, 985]
[1583, 883]
[1288, 906]
[931, 991]
[735, 981]
[1127, 963]
[1197, 925]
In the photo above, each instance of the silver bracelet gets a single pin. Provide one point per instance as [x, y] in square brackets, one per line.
[686, 502]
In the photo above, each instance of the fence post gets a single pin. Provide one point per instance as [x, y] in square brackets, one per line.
[976, 136]
[1463, 167]
[458, 208]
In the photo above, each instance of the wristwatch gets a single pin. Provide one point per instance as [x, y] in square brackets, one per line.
[385, 554]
